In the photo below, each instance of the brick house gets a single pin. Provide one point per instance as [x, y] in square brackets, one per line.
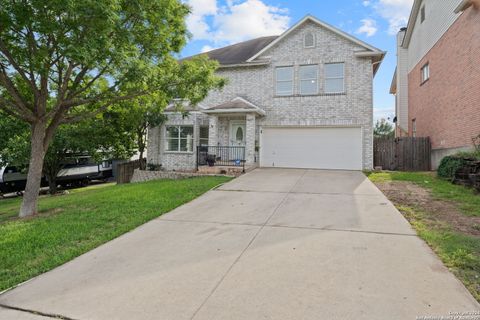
[301, 99]
[437, 80]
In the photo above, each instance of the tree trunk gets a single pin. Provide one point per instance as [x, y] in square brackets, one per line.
[141, 147]
[52, 185]
[34, 176]
[142, 163]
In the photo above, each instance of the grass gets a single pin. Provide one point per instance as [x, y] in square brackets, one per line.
[460, 252]
[466, 199]
[70, 225]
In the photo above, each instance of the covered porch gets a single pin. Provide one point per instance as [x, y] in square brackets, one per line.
[232, 136]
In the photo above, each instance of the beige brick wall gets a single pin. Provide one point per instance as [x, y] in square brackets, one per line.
[257, 84]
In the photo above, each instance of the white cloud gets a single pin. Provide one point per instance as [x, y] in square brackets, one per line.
[369, 27]
[396, 12]
[384, 113]
[196, 20]
[236, 21]
[366, 3]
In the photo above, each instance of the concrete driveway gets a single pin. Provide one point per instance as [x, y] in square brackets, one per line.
[272, 244]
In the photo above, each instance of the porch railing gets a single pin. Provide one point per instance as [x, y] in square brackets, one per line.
[231, 156]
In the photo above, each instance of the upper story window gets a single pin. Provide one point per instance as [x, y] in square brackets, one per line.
[309, 40]
[284, 79]
[335, 78]
[414, 127]
[422, 14]
[308, 79]
[425, 72]
[179, 139]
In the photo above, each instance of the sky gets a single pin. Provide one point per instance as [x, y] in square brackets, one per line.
[218, 23]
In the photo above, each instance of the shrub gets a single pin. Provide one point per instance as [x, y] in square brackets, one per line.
[154, 167]
[449, 165]
[474, 155]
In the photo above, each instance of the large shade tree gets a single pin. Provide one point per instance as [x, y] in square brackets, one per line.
[62, 61]
[101, 137]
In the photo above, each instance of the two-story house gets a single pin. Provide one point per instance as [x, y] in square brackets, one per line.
[302, 99]
[437, 80]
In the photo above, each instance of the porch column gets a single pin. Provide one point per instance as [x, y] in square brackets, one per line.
[250, 137]
[213, 130]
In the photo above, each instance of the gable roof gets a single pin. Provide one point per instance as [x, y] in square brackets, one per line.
[412, 20]
[240, 52]
[323, 24]
[236, 105]
[245, 53]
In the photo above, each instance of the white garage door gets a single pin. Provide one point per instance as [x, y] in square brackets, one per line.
[316, 148]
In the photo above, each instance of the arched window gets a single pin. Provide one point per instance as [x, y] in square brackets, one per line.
[309, 40]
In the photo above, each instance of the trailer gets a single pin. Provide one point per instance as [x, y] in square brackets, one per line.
[77, 171]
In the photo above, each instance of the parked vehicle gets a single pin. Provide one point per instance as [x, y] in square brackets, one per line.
[13, 180]
[81, 170]
[78, 171]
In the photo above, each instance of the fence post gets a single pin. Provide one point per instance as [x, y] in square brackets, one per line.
[197, 158]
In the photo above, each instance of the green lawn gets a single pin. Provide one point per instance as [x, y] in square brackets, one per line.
[72, 224]
[459, 251]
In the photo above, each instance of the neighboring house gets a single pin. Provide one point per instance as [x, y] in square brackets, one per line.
[437, 80]
[301, 100]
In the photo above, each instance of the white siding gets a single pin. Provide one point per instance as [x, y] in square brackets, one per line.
[440, 16]
[402, 83]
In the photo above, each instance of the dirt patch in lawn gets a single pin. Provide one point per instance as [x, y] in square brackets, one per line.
[439, 212]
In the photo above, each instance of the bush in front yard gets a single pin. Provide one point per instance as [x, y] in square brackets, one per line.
[449, 165]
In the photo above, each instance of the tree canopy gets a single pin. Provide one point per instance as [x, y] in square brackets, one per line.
[64, 61]
[383, 128]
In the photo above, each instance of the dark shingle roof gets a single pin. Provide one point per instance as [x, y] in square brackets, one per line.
[239, 52]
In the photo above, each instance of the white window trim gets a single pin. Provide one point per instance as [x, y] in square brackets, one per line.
[179, 139]
[333, 78]
[305, 42]
[425, 72]
[291, 93]
[200, 136]
[307, 79]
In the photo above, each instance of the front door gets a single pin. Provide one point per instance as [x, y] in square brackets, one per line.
[237, 139]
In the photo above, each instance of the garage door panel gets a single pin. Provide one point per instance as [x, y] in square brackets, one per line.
[319, 148]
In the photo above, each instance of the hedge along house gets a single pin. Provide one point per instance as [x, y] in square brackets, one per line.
[300, 100]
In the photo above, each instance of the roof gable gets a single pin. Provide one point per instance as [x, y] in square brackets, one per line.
[322, 24]
[236, 105]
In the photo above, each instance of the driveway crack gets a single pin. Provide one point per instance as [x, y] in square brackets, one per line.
[38, 313]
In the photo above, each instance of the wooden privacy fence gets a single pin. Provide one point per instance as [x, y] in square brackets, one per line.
[404, 154]
[125, 170]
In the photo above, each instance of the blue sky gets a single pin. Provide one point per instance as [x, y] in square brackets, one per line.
[217, 23]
